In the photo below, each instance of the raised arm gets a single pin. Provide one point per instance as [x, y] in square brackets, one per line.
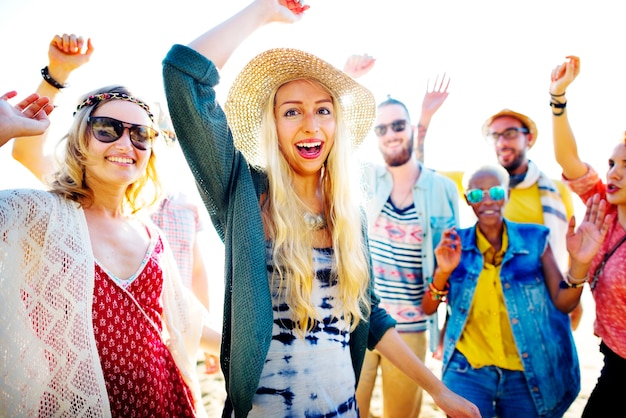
[220, 42]
[565, 149]
[432, 101]
[66, 53]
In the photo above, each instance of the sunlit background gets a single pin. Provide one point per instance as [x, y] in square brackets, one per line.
[499, 54]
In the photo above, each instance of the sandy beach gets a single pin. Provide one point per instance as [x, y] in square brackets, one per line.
[586, 344]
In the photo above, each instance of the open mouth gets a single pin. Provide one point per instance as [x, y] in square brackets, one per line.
[309, 150]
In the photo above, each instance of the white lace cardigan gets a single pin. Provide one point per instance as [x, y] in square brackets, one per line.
[48, 357]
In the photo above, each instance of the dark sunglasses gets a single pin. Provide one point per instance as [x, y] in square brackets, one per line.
[496, 193]
[109, 130]
[396, 126]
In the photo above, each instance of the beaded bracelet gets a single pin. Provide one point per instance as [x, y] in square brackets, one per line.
[436, 294]
[570, 282]
[46, 76]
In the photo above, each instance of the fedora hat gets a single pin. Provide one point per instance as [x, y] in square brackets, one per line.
[266, 72]
[526, 121]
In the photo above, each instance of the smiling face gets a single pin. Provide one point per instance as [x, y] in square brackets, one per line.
[511, 152]
[489, 211]
[396, 147]
[118, 163]
[616, 176]
[305, 123]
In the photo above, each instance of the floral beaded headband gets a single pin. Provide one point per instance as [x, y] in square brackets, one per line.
[97, 98]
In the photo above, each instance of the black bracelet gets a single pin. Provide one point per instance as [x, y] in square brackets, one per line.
[46, 76]
[558, 108]
[557, 95]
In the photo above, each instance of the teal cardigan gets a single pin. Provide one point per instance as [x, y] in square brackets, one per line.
[230, 189]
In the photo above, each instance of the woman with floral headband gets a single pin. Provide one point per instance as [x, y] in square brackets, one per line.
[275, 174]
[95, 319]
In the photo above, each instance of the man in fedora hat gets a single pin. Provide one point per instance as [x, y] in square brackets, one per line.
[534, 197]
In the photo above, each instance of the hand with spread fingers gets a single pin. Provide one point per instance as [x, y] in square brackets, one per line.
[28, 117]
[584, 242]
[435, 95]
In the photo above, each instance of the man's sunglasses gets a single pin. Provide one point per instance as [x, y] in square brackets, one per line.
[109, 130]
[396, 126]
[496, 193]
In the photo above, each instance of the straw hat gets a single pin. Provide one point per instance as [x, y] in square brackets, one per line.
[526, 121]
[269, 70]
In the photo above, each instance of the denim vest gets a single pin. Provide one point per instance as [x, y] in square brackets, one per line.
[437, 205]
[542, 333]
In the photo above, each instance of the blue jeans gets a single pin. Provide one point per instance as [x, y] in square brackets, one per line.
[496, 392]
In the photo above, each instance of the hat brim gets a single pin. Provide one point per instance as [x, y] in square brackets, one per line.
[265, 73]
[526, 121]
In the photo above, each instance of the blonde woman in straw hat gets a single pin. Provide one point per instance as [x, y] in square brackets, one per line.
[275, 174]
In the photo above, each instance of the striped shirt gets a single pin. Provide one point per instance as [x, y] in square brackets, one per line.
[396, 248]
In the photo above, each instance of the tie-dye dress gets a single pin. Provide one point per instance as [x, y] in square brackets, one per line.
[311, 376]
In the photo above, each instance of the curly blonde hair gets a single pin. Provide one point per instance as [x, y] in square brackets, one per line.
[69, 180]
[283, 215]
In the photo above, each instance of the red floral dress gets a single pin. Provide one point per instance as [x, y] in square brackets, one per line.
[141, 377]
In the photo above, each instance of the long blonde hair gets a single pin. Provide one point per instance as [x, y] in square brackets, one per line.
[69, 180]
[283, 216]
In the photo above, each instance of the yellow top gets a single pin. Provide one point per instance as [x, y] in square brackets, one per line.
[522, 205]
[487, 339]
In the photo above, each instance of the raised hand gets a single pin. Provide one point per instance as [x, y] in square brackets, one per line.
[296, 6]
[435, 96]
[358, 65]
[563, 75]
[28, 117]
[584, 242]
[448, 251]
[66, 53]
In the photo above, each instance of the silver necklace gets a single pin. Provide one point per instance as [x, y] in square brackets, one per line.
[315, 222]
[401, 204]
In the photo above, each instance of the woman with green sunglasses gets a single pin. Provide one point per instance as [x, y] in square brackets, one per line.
[508, 344]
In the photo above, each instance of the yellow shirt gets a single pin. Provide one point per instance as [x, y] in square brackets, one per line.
[522, 205]
[487, 339]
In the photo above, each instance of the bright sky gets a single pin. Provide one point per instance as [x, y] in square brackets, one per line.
[498, 53]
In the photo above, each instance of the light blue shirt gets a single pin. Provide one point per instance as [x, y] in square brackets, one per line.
[436, 202]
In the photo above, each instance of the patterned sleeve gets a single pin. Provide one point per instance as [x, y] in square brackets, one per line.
[587, 185]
